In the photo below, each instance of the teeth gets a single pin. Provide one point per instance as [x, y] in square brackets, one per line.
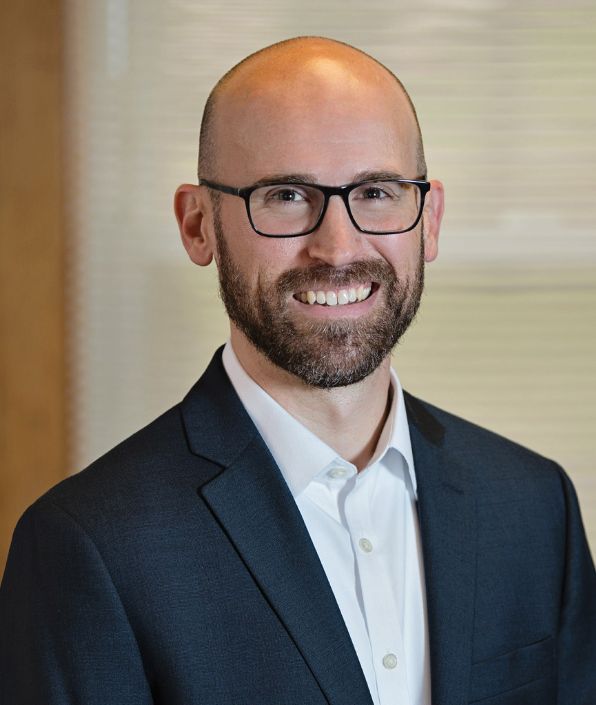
[335, 298]
[362, 292]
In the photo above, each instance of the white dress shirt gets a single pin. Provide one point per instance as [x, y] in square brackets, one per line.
[364, 527]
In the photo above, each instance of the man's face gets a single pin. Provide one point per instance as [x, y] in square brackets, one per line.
[331, 128]
[327, 351]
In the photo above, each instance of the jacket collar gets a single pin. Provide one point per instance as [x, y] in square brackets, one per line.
[216, 424]
[447, 517]
[250, 499]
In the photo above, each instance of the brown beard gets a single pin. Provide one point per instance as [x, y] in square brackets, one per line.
[324, 354]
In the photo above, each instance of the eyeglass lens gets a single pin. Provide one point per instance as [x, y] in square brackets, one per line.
[376, 206]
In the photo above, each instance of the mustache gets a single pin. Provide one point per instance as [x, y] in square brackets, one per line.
[302, 279]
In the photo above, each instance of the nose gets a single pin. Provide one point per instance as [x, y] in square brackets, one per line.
[336, 241]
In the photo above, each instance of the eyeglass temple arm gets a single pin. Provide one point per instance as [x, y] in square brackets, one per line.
[220, 187]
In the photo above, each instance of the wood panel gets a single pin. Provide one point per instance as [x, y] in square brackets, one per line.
[32, 247]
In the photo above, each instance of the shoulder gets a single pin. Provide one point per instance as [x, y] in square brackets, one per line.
[154, 474]
[150, 470]
[515, 489]
[489, 456]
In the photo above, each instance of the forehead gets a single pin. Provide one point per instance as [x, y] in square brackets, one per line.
[316, 117]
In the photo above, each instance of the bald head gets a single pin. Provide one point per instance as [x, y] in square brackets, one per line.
[299, 74]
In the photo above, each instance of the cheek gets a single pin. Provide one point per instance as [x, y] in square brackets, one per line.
[401, 251]
[260, 259]
[275, 256]
[242, 243]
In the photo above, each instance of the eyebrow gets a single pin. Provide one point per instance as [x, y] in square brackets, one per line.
[378, 175]
[286, 179]
[311, 179]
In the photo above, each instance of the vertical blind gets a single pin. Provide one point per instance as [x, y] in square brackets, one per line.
[506, 96]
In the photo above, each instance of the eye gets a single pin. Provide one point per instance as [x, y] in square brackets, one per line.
[385, 192]
[285, 194]
[373, 193]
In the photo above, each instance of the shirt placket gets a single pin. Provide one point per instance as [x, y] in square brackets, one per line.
[371, 551]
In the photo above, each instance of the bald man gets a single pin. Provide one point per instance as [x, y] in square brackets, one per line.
[299, 530]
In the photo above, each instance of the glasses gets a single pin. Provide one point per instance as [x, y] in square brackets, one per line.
[376, 207]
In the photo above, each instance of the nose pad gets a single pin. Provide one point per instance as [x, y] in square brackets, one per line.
[336, 241]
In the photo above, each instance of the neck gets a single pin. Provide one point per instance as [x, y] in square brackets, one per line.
[348, 419]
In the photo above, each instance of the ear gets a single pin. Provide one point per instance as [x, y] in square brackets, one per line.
[431, 218]
[193, 211]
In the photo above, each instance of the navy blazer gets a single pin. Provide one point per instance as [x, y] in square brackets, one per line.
[177, 570]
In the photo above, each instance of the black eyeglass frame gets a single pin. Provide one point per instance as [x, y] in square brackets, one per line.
[342, 191]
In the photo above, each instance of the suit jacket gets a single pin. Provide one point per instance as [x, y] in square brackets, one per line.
[177, 570]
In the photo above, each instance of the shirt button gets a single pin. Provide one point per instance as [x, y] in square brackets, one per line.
[337, 473]
[365, 545]
[390, 660]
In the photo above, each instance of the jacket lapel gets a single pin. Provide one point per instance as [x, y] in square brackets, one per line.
[448, 529]
[254, 506]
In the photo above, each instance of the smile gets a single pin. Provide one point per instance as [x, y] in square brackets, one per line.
[335, 297]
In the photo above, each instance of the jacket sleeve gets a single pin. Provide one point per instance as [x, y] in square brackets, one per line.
[576, 645]
[64, 634]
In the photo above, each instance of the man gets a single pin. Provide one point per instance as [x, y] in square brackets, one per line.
[299, 530]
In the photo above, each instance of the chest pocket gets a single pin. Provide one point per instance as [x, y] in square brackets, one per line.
[512, 670]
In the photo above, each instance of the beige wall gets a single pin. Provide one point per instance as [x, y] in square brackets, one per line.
[32, 340]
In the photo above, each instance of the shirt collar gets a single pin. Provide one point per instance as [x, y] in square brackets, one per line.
[299, 453]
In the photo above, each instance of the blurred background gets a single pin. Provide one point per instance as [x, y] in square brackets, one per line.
[104, 323]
